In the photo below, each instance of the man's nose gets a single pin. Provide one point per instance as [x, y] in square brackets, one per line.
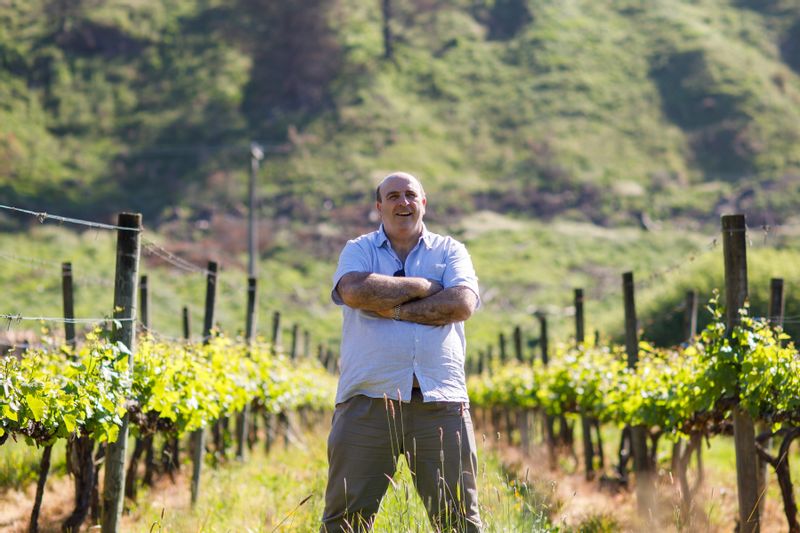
[404, 200]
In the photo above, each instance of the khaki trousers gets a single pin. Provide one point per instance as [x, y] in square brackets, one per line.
[368, 436]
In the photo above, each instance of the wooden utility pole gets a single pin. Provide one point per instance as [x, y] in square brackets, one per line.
[388, 38]
[124, 331]
[734, 247]
[198, 435]
[256, 155]
[641, 462]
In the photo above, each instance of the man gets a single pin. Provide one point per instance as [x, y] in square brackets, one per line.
[406, 294]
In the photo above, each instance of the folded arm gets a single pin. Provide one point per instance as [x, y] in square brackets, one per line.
[455, 304]
[377, 292]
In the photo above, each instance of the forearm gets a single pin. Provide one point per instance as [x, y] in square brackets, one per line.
[455, 304]
[377, 292]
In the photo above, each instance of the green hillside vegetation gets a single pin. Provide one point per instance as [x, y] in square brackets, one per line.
[598, 111]
[547, 134]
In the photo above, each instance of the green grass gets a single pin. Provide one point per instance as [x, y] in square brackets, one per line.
[19, 464]
[283, 491]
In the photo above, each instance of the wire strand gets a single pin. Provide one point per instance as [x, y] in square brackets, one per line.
[20, 318]
[173, 259]
[42, 216]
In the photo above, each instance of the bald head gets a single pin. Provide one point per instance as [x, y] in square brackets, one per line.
[405, 175]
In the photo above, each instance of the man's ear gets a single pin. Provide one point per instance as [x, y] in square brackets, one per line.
[378, 207]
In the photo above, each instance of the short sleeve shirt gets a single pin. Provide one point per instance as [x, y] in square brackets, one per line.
[379, 356]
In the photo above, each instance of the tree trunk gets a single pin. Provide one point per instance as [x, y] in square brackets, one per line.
[81, 465]
[599, 449]
[96, 509]
[781, 465]
[44, 470]
[149, 460]
[133, 467]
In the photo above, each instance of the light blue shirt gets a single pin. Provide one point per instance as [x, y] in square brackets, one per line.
[380, 356]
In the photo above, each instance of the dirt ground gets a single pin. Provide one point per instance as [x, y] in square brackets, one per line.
[576, 500]
[57, 504]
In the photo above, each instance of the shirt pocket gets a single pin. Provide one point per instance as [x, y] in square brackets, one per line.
[434, 272]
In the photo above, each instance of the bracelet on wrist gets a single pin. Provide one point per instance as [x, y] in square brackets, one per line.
[396, 312]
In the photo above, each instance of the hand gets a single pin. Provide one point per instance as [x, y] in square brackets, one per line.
[434, 288]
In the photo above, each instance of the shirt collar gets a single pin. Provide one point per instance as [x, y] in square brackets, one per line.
[381, 239]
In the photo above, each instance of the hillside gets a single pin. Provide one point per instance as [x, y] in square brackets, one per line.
[612, 112]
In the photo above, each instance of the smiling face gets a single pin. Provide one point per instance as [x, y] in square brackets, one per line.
[401, 205]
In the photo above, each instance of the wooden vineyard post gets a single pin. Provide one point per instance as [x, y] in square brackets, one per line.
[69, 304]
[580, 322]
[186, 323]
[586, 421]
[198, 435]
[543, 338]
[776, 303]
[306, 343]
[242, 420]
[83, 470]
[149, 455]
[170, 455]
[69, 339]
[684, 447]
[641, 461]
[330, 361]
[144, 303]
[507, 418]
[549, 430]
[143, 444]
[276, 332]
[295, 341]
[125, 281]
[734, 247]
[690, 316]
[525, 419]
[518, 343]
